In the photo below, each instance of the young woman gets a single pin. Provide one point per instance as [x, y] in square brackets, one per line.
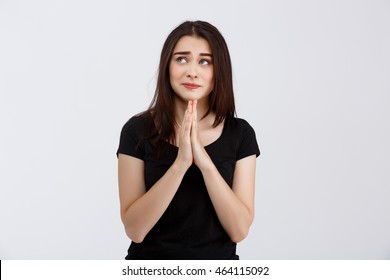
[187, 165]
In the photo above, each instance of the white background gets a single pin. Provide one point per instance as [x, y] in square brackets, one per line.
[311, 77]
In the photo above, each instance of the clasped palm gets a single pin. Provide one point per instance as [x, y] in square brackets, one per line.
[191, 149]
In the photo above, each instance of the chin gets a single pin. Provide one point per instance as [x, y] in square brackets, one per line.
[187, 96]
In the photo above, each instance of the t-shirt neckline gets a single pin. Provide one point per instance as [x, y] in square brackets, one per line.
[215, 141]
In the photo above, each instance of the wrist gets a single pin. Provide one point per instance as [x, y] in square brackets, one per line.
[207, 166]
[180, 166]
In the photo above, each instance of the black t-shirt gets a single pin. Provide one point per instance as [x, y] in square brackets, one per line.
[189, 228]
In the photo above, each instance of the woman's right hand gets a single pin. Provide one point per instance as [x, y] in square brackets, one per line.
[184, 156]
[136, 199]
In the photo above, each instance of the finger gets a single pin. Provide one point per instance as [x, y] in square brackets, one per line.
[195, 113]
[194, 104]
[187, 119]
[187, 112]
[184, 118]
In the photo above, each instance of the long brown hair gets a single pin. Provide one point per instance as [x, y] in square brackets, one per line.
[221, 98]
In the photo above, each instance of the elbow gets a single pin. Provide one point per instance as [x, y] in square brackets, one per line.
[135, 236]
[241, 231]
[239, 235]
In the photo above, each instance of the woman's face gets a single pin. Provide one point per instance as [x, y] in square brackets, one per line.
[191, 69]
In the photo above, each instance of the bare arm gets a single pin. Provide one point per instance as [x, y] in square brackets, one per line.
[234, 206]
[141, 209]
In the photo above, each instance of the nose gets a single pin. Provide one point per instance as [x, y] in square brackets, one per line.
[192, 71]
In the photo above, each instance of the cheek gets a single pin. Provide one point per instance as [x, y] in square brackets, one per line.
[210, 76]
[174, 71]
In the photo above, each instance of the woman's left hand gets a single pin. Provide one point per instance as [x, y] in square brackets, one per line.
[201, 158]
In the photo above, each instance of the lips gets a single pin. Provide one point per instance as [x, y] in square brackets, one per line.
[191, 86]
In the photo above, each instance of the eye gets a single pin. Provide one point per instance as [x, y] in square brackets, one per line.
[181, 59]
[204, 62]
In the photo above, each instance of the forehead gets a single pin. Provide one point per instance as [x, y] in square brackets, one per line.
[192, 44]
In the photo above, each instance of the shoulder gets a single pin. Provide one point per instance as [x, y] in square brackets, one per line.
[239, 124]
[244, 136]
[138, 127]
[133, 135]
[137, 123]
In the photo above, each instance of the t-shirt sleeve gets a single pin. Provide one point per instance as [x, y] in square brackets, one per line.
[248, 145]
[130, 141]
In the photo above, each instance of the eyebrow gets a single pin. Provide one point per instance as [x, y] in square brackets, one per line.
[187, 53]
